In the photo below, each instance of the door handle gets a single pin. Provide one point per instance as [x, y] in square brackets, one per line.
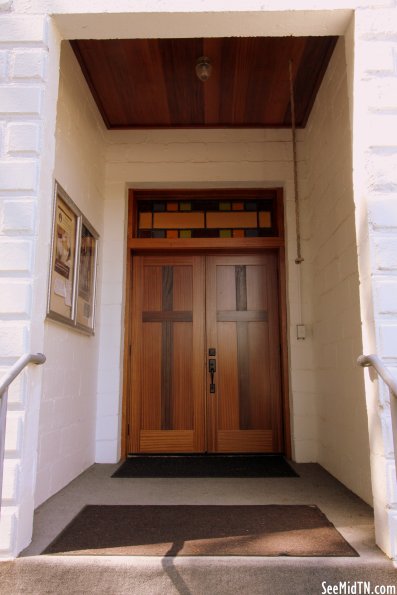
[212, 370]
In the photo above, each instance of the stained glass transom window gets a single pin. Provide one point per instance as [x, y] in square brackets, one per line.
[206, 218]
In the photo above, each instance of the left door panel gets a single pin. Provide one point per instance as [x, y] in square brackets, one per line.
[167, 404]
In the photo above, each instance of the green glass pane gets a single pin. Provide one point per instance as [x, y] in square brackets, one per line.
[225, 233]
[185, 233]
[225, 206]
[185, 206]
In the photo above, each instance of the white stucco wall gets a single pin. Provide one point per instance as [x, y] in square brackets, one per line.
[68, 405]
[330, 251]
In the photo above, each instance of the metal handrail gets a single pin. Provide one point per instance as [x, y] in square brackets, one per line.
[373, 360]
[24, 360]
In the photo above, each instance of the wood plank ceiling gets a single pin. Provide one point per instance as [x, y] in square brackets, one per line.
[151, 83]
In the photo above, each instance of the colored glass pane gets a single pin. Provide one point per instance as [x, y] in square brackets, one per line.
[145, 233]
[145, 220]
[236, 219]
[265, 205]
[172, 233]
[205, 233]
[209, 218]
[265, 219]
[185, 233]
[205, 205]
[145, 206]
[178, 220]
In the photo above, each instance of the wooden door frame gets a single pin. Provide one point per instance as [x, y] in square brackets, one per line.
[214, 246]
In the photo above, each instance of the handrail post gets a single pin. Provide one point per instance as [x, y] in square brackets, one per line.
[391, 382]
[24, 360]
[3, 417]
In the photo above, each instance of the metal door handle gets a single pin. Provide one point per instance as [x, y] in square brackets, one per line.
[212, 370]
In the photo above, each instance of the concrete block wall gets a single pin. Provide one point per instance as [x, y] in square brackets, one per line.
[330, 250]
[68, 408]
[375, 186]
[24, 60]
[188, 159]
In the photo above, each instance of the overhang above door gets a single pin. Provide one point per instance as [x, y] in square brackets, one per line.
[151, 83]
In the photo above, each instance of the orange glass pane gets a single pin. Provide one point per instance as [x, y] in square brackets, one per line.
[178, 220]
[235, 219]
[172, 233]
[145, 220]
[265, 219]
[238, 233]
[238, 206]
[172, 206]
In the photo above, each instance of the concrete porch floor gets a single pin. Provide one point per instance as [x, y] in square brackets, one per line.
[36, 574]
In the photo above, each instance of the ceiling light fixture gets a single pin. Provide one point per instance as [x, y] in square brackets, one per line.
[203, 68]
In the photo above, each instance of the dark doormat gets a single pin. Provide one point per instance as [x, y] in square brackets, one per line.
[205, 466]
[272, 530]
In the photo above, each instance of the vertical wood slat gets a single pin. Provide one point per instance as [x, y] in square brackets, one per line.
[152, 289]
[243, 374]
[168, 288]
[227, 396]
[166, 376]
[182, 375]
[260, 397]
[136, 355]
[241, 287]
[166, 349]
[183, 288]
[151, 375]
[242, 347]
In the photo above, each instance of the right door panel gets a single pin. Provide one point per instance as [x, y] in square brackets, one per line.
[244, 412]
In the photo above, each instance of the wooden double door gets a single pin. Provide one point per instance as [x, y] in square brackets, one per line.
[205, 354]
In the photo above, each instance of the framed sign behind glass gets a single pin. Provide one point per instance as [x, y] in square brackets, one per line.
[71, 290]
[87, 273]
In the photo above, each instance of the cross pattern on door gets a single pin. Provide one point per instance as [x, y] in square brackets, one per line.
[186, 308]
